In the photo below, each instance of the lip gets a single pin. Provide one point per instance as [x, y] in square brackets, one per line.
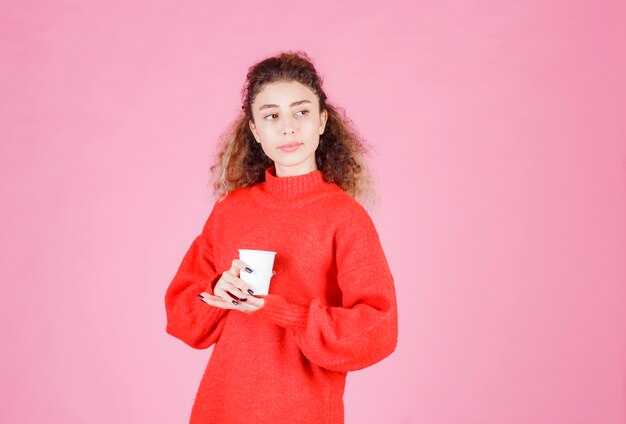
[290, 147]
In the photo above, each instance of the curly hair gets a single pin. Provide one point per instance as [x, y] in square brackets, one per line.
[241, 161]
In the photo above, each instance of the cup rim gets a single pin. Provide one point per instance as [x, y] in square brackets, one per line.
[261, 252]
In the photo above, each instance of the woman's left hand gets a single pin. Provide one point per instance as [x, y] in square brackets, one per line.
[250, 305]
[227, 285]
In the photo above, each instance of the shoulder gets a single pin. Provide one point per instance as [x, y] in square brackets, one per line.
[348, 210]
[232, 199]
[356, 239]
[226, 206]
[354, 228]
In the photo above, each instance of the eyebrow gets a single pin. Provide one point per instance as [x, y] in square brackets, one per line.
[299, 102]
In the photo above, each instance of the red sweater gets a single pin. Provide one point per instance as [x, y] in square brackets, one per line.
[331, 307]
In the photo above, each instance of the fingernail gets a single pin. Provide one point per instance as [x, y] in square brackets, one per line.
[243, 299]
[235, 302]
[250, 291]
[248, 270]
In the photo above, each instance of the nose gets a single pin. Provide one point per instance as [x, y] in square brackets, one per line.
[289, 125]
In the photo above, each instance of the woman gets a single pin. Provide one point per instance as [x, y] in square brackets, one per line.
[286, 178]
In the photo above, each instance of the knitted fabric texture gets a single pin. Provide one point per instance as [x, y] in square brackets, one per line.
[331, 307]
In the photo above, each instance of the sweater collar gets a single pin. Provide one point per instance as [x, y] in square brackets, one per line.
[294, 187]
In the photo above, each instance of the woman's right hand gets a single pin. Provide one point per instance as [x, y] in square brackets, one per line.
[231, 292]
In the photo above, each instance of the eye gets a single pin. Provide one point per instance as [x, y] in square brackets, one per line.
[302, 112]
[271, 116]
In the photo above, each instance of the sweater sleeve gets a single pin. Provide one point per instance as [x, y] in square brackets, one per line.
[188, 317]
[364, 329]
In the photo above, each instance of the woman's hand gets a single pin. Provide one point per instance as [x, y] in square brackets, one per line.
[231, 292]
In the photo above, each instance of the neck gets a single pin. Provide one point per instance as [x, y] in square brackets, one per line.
[292, 171]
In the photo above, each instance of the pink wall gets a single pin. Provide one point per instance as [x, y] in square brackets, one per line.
[499, 134]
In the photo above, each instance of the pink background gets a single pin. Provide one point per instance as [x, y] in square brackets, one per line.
[499, 135]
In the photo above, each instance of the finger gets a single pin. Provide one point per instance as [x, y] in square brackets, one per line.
[230, 287]
[256, 302]
[225, 292]
[238, 266]
[229, 283]
[249, 306]
[241, 287]
[218, 302]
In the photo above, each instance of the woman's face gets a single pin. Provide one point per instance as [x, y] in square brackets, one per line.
[288, 124]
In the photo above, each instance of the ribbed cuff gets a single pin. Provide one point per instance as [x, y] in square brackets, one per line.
[280, 312]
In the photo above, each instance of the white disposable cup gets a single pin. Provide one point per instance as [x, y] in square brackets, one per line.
[262, 263]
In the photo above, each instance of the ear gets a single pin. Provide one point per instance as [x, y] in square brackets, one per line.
[323, 119]
[253, 129]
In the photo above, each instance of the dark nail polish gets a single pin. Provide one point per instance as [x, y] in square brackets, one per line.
[250, 291]
[248, 270]
[235, 302]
